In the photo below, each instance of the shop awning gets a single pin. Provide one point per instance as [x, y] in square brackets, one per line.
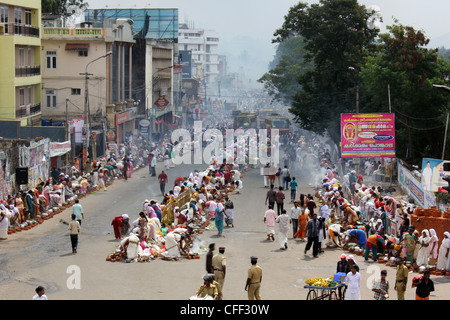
[77, 46]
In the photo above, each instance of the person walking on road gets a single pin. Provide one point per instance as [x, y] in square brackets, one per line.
[312, 230]
[77, 210]
[269, 220]
[254, 278]
[209, 256]
[270, 196]
[283, 220]
[295, 212]
[285, 175]
[153, 166]
[74, 229]
[162, 182]
[279, 199]
[303, 219]
[293, 185]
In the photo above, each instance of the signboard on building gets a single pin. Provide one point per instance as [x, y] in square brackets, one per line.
[433, 172]
[368, 135]
[413, 187]
[144, 127]
[162, 103]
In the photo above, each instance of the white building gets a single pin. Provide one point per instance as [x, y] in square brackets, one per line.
[204, 45]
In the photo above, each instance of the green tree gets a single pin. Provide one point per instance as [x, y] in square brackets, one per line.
[281, 81]
[337, 36]
[405, 64]
[59, 7]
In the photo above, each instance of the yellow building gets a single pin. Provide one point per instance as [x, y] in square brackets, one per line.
[20, 63]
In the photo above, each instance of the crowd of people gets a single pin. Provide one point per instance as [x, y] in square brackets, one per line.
[64, 186]
[349, 212]
[164, 229]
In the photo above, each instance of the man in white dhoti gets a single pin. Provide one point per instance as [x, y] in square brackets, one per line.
[131, 246]
[283, 221]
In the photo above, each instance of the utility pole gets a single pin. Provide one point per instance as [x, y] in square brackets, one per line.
[86, 131]
[67, 131]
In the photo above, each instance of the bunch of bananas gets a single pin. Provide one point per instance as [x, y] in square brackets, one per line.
[317, 282]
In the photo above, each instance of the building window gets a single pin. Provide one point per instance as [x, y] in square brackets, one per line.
[4, 17]
[21, 57]
[83, 53]
[50, 97]
[50, 57]
[28, 17]
[18, 15]
[21, 97]
[76, 91]
[30, 95]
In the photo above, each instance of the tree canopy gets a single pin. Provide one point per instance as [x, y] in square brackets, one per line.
[329, 49]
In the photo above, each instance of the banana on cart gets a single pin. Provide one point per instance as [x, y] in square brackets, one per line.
[317, 282]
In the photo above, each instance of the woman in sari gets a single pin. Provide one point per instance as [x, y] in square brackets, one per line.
[302, 222]
[410, 245]
[218, 219]
[19, 205]
[443, 260]
[424, 250]
[143, 226]
[433, 247]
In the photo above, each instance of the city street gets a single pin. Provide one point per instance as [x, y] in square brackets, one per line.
[42, 256]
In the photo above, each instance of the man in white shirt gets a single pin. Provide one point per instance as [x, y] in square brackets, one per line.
[353, 281]
[283, 220]
[295, 212]
[40, 294]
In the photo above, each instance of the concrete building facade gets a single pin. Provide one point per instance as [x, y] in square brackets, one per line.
[20, 49]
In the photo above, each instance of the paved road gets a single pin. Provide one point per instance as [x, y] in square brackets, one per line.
[42, 256]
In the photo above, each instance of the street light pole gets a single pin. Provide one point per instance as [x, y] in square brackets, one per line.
[356, 88]
[87, 126]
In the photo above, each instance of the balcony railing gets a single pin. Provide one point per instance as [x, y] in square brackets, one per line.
[28, 71]
[21, 29]
[73, 33]
[25, 111]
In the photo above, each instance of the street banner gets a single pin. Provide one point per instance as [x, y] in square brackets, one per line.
[409, 184]
[433, 170]
[368, 135]
[59, 148]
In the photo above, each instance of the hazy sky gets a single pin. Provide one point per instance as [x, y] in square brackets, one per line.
[246, 26]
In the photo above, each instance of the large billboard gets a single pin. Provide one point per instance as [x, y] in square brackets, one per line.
[433, 171]
[368, 135]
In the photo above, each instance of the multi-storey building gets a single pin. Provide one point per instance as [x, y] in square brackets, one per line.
[204, 45]
[87, 75]
[20, 66]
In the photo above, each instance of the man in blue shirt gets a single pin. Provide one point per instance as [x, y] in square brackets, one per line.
[293, 184]
[77, 210]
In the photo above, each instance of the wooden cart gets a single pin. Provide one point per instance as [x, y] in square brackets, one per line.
[326, 293]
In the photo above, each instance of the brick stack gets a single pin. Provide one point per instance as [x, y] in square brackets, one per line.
[431, 218]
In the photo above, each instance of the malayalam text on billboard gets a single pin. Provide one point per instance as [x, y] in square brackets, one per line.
[368, 135]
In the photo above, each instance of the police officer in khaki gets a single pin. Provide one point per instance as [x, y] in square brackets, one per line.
[401, 278]
[219, 264]
[254, 278]
[208, 288]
